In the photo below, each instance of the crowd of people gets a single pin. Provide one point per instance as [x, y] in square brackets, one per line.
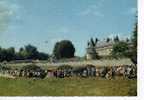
[108, 72]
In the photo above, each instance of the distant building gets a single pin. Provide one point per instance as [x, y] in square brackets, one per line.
[91, 50]
[102, 48]
[91, 53]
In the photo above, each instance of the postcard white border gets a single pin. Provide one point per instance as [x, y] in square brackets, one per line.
[140, 69]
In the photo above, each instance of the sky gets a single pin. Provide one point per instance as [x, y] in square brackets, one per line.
[44, 22]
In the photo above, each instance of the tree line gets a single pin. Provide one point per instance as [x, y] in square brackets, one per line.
[66, 49]
[62, 49]
[28, 52]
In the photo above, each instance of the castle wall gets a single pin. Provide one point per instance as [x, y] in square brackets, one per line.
[105, 51]
[102, 50]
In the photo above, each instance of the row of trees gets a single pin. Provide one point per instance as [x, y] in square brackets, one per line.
[65, 49]
[114, 39]
[62, 49]
[122, 49]
[28, 52]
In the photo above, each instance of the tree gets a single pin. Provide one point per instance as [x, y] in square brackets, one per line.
[108, 40]
[64, 49]
[133, 52]
[29, 52]
[56, 51]
[3, 54]
[116, 39]
[32, 52]
[22, 54]
[120, 49]
[7, 54]
[92, 42]
[0, 54]
[96, 41]
[43, 56]
[134, 37]
[10, 54]
[127, 40]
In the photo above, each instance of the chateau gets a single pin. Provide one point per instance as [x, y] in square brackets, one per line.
[101, 48]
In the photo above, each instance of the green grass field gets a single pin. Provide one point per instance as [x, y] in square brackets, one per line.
[67, 87]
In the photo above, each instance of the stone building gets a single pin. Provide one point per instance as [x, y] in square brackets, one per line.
[91, 53]
[101, 48]
[91, 50]
[104, 48]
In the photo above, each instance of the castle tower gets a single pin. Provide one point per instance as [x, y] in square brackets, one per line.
[91, 50]
[91, 53]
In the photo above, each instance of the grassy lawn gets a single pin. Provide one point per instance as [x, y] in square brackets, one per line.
[67, 87]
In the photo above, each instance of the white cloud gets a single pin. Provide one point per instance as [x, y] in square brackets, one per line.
[4, 15]
[7, 10]
[90, 11]
[93, 10]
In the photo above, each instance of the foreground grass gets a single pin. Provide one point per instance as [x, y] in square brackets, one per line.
[67, 87]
